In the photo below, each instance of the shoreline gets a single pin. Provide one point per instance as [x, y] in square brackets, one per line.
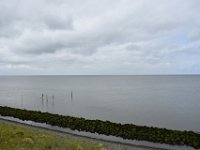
[98, 127]
[111, 144]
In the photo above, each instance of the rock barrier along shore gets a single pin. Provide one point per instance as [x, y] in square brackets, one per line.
[125, 131]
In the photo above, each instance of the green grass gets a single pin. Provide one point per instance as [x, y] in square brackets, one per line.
[14, 137]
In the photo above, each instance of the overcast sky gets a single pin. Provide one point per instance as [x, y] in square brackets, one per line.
[99, 37]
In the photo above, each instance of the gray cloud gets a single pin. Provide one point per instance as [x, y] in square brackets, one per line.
[99, 37]
[62, 22]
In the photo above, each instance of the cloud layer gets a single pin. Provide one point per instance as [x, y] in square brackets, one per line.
[99, 37]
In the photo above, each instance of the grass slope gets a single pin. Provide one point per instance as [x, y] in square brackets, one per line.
[14, 137]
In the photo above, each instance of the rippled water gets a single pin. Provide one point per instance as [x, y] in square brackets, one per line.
[162, 101]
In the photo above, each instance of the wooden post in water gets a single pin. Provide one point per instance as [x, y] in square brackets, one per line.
[42, 99]
[53, 100]
[47, 101]
[71, 95]
[22, 101]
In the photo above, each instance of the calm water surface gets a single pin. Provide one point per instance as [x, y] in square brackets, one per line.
[163, 101]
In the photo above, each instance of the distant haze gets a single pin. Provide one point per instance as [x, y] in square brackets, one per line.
[99, 37]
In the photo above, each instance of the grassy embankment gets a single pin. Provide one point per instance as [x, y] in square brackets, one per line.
[126, 131]
[13, 137]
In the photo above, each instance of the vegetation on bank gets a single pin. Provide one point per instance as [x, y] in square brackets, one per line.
[126, 131]
[14, 137]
